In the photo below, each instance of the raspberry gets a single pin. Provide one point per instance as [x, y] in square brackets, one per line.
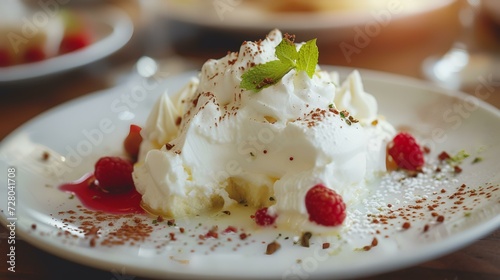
[133, 141]
[77, 32]
[406, 152]
[73, 42]
[34, 54]
[114, 174]
[325, 206]
[5, 58]
[263, 218]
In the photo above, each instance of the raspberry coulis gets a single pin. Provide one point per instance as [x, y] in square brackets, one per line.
[95, 199]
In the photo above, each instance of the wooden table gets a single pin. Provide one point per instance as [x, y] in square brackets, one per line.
[25, 100]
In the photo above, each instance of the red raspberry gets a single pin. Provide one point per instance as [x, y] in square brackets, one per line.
[34, 54]
[406, 152]
[263, 218]
[5, 58]
[73, 42]
[325, 206]
[77, 32]
[114, 174]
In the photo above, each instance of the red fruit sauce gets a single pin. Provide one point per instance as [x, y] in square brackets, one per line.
[95, 199]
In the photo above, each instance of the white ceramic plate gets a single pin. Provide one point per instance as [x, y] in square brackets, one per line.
[75, 130]
[112, 28]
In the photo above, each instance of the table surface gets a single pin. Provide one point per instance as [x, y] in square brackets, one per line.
[25, 100]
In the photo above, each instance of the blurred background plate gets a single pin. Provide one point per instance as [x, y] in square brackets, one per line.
[350, 33]
[294, 14]
[112, 29]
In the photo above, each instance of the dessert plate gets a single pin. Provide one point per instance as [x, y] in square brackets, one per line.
[112, 29]
[405, 220]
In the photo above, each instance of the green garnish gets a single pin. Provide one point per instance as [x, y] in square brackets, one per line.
[308, 57]
[269, 73]
[477, 159]
[459, 157]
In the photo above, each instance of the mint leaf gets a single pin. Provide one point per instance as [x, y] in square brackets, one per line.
[264, 75]
[308, 57]
[267, 74]
[286, 51]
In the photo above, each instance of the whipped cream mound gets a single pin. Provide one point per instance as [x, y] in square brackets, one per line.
[213, 144]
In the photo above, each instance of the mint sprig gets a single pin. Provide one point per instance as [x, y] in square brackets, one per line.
[269, 73]
[308, 57]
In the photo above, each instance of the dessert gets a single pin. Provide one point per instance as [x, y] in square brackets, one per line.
[29, 35]
[22, 40]
[225, 139]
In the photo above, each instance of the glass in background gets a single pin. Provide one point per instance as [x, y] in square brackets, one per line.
[475, 53]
